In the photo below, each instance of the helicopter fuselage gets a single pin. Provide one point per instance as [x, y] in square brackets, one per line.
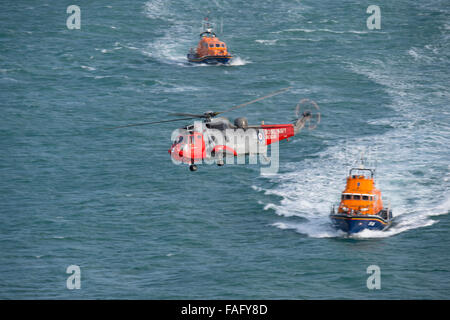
[217, 139]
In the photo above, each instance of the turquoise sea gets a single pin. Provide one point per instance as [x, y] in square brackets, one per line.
[140, 227]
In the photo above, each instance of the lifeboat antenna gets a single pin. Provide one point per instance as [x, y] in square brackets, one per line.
[376, 163]
[361, 165]
[207, 27]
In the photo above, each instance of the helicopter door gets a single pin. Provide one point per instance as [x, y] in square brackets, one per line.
[197, 145]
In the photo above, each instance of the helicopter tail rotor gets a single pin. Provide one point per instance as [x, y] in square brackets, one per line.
[308, 115]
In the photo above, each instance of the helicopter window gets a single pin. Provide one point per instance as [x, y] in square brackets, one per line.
[365, 197]
[371, 198]
[217, 45]
[211, 45]
[348, 196]
[179, 140]
[356, 197]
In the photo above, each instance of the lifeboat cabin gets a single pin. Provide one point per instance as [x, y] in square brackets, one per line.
[361, 206]
[209, 50]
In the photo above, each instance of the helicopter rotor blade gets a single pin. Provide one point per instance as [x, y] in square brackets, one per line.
[211, 114]
[256, 100]
[206, 115]
[187, 115]
[147, 123]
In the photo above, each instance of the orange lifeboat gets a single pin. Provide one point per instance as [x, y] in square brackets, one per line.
[361, 206]
[210, 49]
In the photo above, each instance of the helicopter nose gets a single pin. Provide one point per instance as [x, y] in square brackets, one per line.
[181, 150]
[185, 150]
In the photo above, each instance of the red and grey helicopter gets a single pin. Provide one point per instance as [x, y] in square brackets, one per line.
[214, 138]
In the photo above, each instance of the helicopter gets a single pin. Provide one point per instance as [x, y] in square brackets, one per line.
[215, 138]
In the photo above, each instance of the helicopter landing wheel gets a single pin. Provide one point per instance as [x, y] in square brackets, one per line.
[220, 163]
[193, 167]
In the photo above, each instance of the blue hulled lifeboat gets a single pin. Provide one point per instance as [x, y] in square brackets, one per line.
[210, 49]
[361, 206]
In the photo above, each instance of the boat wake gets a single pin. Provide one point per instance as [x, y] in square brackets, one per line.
[238, 61]
[414, 178]
[412, 171]
[171, 48]
[175, 40]
[311, 218]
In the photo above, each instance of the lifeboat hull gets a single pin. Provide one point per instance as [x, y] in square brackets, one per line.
[351, 224]
[209, 59]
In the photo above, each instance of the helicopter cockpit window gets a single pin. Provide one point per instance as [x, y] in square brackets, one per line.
[179, 140]
[348, 196]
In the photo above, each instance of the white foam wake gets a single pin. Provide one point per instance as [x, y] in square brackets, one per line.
[175, 40]
[238, 61]
[412, 164]
[412, 158]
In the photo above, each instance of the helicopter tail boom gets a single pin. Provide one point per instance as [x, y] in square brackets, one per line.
[277, 132]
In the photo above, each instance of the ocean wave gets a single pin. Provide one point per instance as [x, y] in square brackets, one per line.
[88, 68]
[8, 79]
[419, 55]
[158, 9]
[267, 42]
[305, 30]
